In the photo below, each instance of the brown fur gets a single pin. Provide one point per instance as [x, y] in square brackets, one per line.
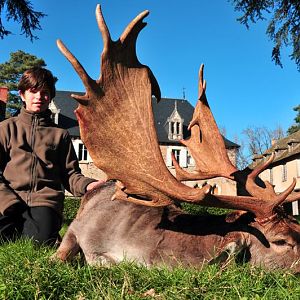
[110, 231]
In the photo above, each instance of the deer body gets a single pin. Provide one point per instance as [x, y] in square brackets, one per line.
[112, 231]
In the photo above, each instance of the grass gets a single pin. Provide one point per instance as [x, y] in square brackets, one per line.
[26, 272]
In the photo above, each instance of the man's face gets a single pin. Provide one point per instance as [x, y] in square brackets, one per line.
[36, 101]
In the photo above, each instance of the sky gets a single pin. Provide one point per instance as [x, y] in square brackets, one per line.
[244, 86]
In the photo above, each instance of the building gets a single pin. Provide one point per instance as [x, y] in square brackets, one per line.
[3, 101]
[285, 167]
[172, 117]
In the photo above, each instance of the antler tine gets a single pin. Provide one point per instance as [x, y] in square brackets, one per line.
[103, 28]
[267, 191]
[202, 83]
[137, 23]
[256, 171]
[263, 201]
[90, 84]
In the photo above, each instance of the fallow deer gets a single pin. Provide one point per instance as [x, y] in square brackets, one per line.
[135, 214]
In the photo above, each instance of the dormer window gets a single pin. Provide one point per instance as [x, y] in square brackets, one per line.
[292, 144]
[175, 129]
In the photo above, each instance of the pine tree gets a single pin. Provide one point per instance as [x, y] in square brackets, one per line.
[22, 12]
[283, 27]
[12, 70]
[296, 126]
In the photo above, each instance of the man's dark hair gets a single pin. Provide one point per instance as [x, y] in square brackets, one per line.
[37, 78]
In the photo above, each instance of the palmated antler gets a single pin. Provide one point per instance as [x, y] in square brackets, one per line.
[116, 122]
[206, 144]
[207, 147]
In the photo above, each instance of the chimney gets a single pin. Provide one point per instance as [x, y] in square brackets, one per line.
[273, 142]
[3, 101]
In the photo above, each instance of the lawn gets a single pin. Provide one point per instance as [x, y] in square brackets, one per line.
[26, 272]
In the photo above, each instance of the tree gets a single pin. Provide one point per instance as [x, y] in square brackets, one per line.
[296, 126]
[283, 27]
[12, 70]
[257, 141]
[20, 11]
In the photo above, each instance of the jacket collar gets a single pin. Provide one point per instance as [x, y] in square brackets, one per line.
[42, 119]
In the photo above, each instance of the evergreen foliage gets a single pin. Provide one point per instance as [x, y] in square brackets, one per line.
[283, 27]
[12, 70]
[296, 126]
[22, 12]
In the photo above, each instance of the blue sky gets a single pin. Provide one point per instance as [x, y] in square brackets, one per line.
[244, 87]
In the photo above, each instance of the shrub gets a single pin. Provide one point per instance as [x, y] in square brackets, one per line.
[70, 208]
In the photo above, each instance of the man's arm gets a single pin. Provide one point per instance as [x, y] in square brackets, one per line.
[9, 200]
[74, 181]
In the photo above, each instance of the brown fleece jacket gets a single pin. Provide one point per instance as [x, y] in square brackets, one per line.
[37, 161]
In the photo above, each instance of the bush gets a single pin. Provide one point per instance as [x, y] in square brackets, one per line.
[72, 205]
[70, 208]
[203, 210]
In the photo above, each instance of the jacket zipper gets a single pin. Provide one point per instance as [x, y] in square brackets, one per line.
[33, 160]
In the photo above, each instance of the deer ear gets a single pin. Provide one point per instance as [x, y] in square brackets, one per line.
[232, 248]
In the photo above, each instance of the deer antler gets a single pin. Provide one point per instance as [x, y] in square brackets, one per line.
[206, 144]
[116, 122]
[208, 150]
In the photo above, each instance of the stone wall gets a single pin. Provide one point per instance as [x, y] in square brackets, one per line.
[222, 185]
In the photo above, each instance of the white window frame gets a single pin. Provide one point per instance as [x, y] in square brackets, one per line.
[82, 152]
[176, 153]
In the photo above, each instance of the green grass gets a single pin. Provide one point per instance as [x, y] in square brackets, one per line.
[26, 272]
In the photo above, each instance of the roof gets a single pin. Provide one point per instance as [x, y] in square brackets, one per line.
[283, 148]
[161, 111]
[67, 106]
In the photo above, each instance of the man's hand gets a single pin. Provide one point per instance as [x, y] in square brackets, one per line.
[94, 184]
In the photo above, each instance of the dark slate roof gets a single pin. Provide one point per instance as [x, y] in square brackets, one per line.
[67, 105]
[161, 112]
[283, 149]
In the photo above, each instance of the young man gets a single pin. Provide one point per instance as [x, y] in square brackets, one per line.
[37, 162]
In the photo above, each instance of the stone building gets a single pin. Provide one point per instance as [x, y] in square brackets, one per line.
[171, 116]
[285, 167]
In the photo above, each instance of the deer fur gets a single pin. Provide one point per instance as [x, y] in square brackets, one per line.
[112, 231]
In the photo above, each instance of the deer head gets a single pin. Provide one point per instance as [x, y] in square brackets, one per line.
[117, 126]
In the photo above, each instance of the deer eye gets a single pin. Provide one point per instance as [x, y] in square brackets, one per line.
[280, 242]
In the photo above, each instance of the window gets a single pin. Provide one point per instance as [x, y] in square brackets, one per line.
[189, 160]
[178, 128]
[176, 154]
[284, 173]
[173, 127]
[82, 152]
[175, 130]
